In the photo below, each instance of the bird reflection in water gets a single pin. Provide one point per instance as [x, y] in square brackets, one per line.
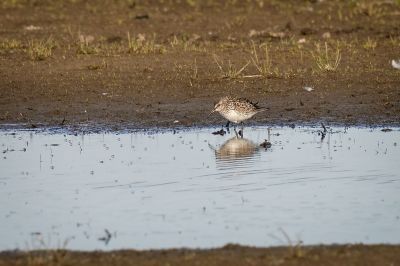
[236, 150]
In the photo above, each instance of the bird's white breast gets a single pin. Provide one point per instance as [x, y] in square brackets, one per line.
[236, 117]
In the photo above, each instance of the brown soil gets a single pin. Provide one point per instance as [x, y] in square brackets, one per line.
[69, 62]
[228, 255]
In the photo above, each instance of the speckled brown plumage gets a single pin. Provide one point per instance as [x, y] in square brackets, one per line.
[237, 109]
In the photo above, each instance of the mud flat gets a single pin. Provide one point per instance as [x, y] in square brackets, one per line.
[118, 66]
[135, 64]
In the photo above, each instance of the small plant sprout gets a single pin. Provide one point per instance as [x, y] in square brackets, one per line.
[10, 44]
[54, 254]
[187, 43]
[263, 66]
[195, 70]
[230, 71]
[370, 44]
[326, 59]
[140, 45]
[193, 75]
[40, 49]
[295, 249]
[85, 45]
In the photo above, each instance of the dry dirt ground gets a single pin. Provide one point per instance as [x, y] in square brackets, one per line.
[140, 64]
[118, 64]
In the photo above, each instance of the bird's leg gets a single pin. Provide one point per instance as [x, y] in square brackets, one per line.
[227, 126]
[236, 133]
[241, 130]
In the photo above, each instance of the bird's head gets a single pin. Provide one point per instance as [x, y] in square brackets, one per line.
[218, 106]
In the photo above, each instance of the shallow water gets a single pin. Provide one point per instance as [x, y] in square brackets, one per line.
[195, 189]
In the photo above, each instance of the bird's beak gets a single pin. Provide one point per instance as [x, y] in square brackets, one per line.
[211, 112]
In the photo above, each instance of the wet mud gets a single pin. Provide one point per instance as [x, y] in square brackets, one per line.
[74, 67]
[308, 62]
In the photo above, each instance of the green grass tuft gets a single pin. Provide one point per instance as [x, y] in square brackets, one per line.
[39, 50]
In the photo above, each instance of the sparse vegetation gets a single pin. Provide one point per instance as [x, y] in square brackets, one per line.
[188, 43]
[295, 248]
[264, 65]
[228, 70]
[140, 45]
[10, 44]
[369, 8]
[85, 45]
[194, 71]
[10, 3]
[55, 256]
[370, 44]
[325, 58]
[40, 49]
[395, 41]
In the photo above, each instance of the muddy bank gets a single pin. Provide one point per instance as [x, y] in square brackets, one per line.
[124, 64]
[127, 64]
[228, 255]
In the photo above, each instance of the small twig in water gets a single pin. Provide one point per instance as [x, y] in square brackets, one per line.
[219, 132]
[266, 144]
[107, 237]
